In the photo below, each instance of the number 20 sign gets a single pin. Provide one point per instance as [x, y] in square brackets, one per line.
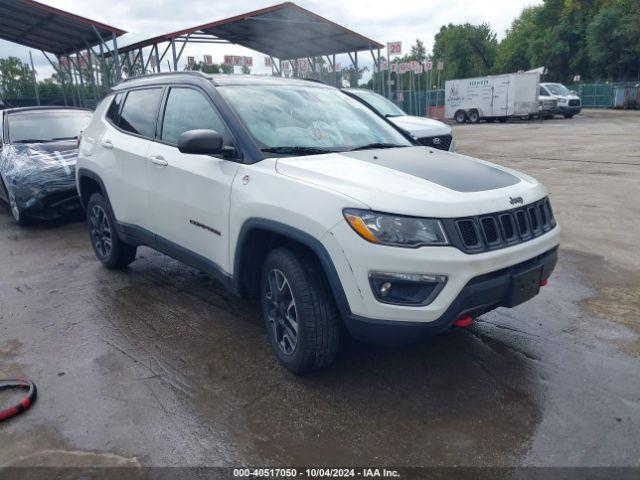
[395, 48]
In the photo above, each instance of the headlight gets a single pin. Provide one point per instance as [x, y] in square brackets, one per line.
[396, 230]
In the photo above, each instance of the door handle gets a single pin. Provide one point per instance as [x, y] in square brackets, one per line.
[158, 160]
[106, 143]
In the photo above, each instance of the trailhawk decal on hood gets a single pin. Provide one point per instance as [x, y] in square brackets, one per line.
[459, 173]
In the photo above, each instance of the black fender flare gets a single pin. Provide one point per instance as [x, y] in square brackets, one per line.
[83, 172]
[301, 237]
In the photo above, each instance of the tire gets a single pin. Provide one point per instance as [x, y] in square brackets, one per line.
[569, 115]
[296, 302]
[502, 119]
[460, 116]
[108, 247]
[19, 215]
[474, 116]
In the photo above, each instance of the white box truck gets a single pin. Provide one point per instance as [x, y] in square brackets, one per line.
[496, 97]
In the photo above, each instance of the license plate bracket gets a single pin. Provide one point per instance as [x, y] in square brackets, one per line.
[524, 286]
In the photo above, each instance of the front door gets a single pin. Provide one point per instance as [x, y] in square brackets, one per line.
[189, 194]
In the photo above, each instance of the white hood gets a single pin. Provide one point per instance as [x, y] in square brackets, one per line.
[421, 126]
[416, 181]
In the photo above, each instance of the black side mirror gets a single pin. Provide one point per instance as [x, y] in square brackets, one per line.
[200, 142]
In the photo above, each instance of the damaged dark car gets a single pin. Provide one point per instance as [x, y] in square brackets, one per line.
[38, 152]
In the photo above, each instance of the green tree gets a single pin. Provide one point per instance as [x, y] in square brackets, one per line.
[613, 41]
[418, 51]
[467, 50]
[213, 68]
[514, 51]
[16, 79]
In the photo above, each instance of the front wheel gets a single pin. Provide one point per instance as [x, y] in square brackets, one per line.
[568, 115]
[299, 311]
[109, 249]
[18, 214]
[460, 116]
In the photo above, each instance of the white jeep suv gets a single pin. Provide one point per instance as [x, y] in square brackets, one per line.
[294, 193]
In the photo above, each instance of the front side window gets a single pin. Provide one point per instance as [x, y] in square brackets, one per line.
[308, 117]
[188, 109]
[543, 92]
[139, 112]
[383, 106]
[41, 126]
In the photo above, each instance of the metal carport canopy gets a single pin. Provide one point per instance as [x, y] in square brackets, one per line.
[284, 31]
[46, 28]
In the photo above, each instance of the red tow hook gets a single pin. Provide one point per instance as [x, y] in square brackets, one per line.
[464, 321]
[544, 282]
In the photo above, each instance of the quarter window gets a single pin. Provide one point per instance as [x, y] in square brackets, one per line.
[188, 109]
[113, 114]
[140, 110]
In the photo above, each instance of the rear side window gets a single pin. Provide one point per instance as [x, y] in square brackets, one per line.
[139, 112]
[188, 109]
[113, 114]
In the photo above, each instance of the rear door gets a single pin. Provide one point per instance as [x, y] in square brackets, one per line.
[123, 148]
[500, 101]
[190, 193]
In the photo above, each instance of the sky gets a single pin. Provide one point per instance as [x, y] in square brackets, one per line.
[384, 21]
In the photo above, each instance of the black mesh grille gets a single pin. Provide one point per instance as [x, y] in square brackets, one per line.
[501, 229]
[533, 218]
[490, 229]
[441, 142]
[523, 226]
[507, 227]
[468, 233]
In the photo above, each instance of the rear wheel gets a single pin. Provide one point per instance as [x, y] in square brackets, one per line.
[474, 116]
[299, 311]
[460, 116]
[569, 115]
[108, 247]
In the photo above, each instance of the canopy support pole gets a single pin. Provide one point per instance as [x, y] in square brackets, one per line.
[116, 57]
[33, 77]
[59, 72]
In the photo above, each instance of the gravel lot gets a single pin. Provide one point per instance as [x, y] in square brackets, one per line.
[157, 365]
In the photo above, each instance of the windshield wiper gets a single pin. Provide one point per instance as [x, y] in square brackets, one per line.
[31, 140]
[372, 146]
[64, 138]
[297, 150]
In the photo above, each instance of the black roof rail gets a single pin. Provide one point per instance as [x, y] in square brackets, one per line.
[315, 80]
[164, 74]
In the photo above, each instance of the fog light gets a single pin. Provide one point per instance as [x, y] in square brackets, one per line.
[384, 289]
[406, 288]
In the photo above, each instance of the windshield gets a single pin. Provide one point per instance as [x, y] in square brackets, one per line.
[308, 117]
[557, 89]
[382, 105]
[40, 126]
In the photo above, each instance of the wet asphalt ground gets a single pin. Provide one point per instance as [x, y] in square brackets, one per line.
[157, 365]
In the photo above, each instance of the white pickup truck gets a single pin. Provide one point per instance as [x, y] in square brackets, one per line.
[569, 103]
